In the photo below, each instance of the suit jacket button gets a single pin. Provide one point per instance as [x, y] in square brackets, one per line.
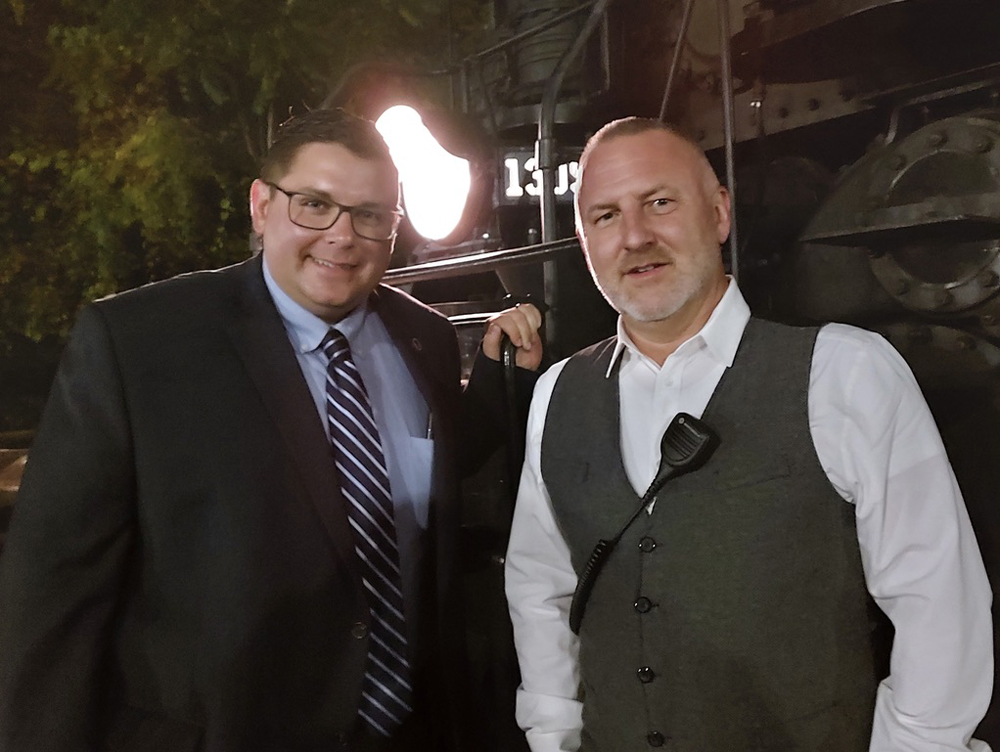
[647, 544]
[642, 605]
[655, 739]
[645, 674]
[359, 631]
[417, 344]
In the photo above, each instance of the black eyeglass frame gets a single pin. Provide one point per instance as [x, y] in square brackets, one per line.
[341, 208]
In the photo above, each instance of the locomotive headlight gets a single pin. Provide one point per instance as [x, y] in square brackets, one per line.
[435, 182]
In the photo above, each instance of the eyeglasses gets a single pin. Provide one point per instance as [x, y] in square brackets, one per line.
[369, 221]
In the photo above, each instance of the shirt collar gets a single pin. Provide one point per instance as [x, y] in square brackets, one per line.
[720, 335]
[306, 330]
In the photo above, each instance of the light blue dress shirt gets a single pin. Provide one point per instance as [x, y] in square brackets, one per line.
[400, 410]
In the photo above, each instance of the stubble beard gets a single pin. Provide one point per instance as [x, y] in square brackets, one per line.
[659, 308]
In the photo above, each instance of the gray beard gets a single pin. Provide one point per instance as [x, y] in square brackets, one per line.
[660, 311]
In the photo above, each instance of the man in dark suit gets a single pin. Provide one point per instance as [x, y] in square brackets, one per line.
[184, 569]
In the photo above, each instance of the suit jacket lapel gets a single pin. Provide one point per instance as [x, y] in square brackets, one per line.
[260, 338]
[417, 350]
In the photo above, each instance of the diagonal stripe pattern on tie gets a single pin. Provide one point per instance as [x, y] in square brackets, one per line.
[386, 697]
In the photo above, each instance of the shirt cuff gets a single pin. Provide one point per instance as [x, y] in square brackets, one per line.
[551, 724]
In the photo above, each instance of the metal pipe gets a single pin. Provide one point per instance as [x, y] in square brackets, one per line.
[547, 159]
[480, 262]
[545, 147]
[681, 39]
[554, 21]
[727, 116]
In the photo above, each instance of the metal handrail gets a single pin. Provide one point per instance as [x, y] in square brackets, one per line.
[546, 152]
[729, 126]
[480, 262]
[678, 47]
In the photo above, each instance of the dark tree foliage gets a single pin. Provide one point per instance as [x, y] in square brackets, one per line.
[130, 131]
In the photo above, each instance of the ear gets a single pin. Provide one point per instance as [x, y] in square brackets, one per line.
[260, 203]
[722, 208]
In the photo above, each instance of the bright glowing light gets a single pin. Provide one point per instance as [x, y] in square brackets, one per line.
[435, 182]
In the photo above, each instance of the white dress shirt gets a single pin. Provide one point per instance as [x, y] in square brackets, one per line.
[879, 446]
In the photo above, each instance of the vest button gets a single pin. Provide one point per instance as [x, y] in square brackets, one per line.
[646, 544]
[655, 739]
[359, 631]
[645, 674]
[643, 605]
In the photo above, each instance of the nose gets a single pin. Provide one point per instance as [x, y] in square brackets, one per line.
[342, 229]
[636, 232]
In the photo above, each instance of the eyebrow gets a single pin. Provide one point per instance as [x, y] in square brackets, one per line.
[659, 188]
[316, 193]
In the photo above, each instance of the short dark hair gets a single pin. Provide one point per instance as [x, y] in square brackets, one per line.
[357, 134]
[632, 126]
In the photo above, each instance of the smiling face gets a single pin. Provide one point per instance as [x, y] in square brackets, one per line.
[651, 217]
[328, 272]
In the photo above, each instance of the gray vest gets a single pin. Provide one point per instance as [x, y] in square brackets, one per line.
[735, 617]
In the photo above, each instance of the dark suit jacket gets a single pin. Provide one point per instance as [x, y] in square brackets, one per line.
[179, 573]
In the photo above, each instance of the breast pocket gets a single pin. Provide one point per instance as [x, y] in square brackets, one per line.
[417, 468]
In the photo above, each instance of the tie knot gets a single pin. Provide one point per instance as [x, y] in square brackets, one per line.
[335, 346]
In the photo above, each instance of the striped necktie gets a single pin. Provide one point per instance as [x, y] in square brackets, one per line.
[386, 697]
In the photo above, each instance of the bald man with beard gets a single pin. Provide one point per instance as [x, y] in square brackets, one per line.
[741, 609]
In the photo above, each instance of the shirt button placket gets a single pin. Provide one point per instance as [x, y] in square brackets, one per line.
[646, 674]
